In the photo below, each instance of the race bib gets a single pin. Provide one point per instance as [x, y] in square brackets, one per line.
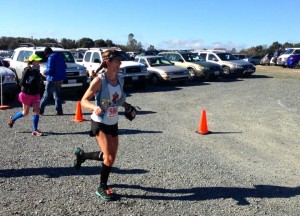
[112, 112]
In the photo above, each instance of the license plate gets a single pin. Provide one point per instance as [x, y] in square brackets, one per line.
[217, 72]
[72, 81]
[135, 78]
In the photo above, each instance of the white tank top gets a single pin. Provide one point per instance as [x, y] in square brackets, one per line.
[110, 117]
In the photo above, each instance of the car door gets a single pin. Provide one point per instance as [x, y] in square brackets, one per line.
[178, 60]
[211, 57]
[20, 64]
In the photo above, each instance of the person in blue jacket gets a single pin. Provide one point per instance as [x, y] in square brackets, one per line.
[55, 75]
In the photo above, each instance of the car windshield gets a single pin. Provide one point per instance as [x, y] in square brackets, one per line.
[124, 56]
[67, 55]
[226, 56]
[289, 51]
[192, 57]
[159, 61]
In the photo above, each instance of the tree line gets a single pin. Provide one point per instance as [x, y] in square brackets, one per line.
[10, 43]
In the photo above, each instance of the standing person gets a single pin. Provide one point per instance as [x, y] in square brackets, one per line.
[55, 75]
[30, 94]
[107, 88]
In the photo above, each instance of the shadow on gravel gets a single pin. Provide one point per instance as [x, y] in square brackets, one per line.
[223, 132]
[210, 193]
[254, 76]
[56, 172]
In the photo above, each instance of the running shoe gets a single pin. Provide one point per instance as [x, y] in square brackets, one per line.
[78, 160]
[37, 133]
[10, 122]
[104, 192]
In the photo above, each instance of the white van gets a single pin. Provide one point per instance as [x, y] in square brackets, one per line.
[281, 60]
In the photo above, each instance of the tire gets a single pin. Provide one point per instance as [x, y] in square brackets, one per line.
[154, 79]
[192, 74]
[226, 70]
[296, 65]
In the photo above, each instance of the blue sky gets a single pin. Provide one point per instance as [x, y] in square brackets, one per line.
[166, 24]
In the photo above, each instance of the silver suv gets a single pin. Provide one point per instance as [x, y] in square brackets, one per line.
[76, 74]
[230, 64]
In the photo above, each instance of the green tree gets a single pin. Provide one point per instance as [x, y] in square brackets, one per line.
[85, 43]
[68, 44]
[100, 43]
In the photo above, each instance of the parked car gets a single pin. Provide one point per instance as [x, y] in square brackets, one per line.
[281, 60]
[198, 68]
[161, 69]
[253, 59]
[266, 59]
[8, 84]
[293, 61]
[276, 54]
[230, 64]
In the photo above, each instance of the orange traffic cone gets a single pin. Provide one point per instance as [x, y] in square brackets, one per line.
[203, 129]
[78, 113]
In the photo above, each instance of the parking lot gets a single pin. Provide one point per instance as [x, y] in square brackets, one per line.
[248, 165]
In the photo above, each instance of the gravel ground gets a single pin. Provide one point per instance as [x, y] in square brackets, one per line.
[248, 165]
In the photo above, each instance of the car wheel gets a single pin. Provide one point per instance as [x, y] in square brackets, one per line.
[226, 70]
[192, 74]
[154, 79]
[296, 65]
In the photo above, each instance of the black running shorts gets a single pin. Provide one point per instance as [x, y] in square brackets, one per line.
[96, 127]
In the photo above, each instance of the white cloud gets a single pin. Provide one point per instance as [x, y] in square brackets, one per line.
[198, 44]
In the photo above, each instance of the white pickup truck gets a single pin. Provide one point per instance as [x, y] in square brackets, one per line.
[134, 73]
[76, 74]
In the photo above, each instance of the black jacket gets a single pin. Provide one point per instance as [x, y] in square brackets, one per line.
[31, 81]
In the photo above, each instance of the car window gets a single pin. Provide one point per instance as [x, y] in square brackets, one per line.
[203, 55]
[87, 56]
[176, 57]
[96, 57]
[297, 51]
[211, 57]
[226, 56]
[67, 55]
[24, 55]
[160, 61]
[289, 51]
[143, 61]
[165, 61]
[188, 57]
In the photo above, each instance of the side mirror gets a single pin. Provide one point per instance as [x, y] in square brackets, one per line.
[180, 60]
[215, 59]
[97, 61]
